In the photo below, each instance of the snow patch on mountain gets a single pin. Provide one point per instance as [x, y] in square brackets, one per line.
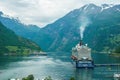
[86, 6]
[106, 6]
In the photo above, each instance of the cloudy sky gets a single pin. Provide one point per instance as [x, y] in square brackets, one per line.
[43, 12]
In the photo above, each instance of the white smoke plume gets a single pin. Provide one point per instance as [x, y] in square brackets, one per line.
[84, 23]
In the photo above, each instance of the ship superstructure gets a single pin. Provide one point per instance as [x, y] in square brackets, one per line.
[81, 55]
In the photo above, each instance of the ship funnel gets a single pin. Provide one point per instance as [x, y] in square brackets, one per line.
[80, 43]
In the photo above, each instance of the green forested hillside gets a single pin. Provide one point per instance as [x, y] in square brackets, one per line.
[102, 33]
[13, 44]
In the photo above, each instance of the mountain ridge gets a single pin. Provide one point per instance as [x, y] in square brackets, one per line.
[11, 44]
[64, 33]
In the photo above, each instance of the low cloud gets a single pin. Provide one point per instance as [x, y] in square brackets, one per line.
[43, 12]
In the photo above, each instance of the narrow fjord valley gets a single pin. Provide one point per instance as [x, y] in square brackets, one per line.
[101, 32]
[92, 27]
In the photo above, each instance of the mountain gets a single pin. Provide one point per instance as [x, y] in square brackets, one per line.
[102, 32]
[100, 27]
[26, 31]
[31, 32]
[12, 44]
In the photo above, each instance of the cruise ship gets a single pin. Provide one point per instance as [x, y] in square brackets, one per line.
[81, 55]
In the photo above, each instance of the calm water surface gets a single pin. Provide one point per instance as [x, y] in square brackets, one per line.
[57, 65]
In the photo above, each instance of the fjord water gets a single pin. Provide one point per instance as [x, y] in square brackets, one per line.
[57, 65]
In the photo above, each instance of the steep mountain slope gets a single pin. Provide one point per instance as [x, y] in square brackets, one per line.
[26, 31]
[102, 29]
[10, 43]
[104, 32]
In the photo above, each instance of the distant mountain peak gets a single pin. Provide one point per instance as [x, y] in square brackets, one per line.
[89, 6]
[106, 6]
[1, 13]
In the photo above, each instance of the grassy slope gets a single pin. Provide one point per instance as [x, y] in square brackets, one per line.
[11, 43]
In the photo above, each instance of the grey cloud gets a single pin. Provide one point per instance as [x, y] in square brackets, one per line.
[43, 12]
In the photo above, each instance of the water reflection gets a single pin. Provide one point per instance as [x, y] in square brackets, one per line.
[83, 74]
[40, 67]
[56, 66]
[98, 73]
